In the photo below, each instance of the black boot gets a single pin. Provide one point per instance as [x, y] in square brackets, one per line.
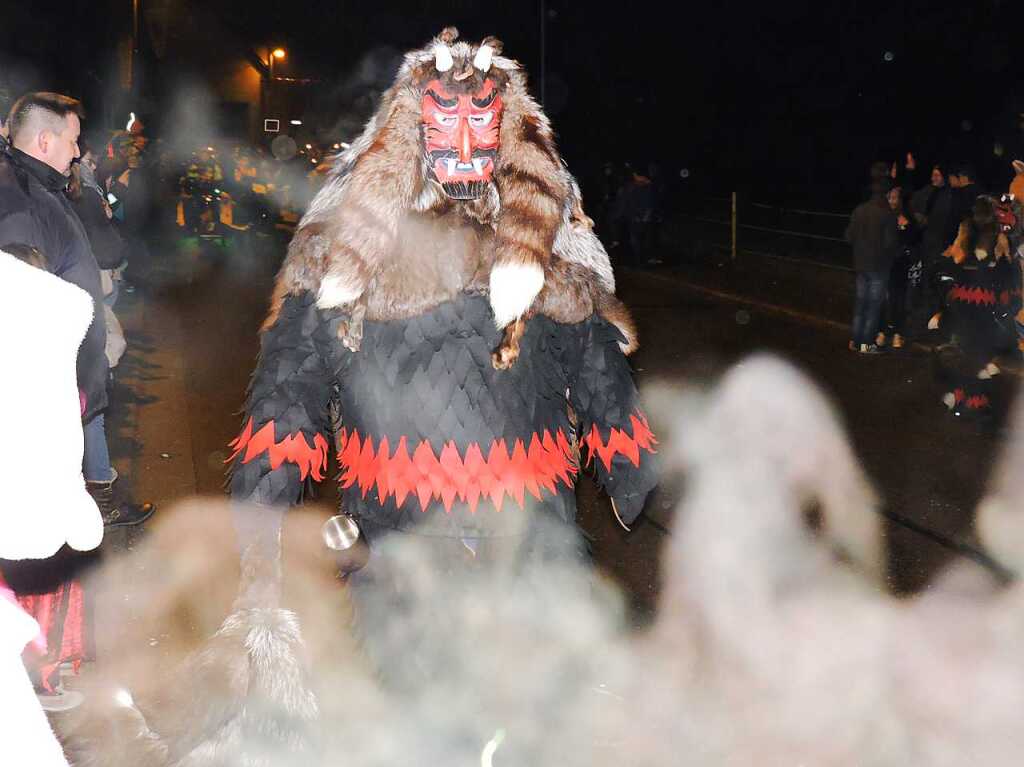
[117, 512]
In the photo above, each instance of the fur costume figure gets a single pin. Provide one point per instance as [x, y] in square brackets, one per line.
[984, 295]
[446, 296]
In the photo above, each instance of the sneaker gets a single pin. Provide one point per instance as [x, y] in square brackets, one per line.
[897, 341]
[128, 514]
[869, 349]
[60, 700]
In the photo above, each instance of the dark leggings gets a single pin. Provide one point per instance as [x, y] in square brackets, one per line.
[896, 305]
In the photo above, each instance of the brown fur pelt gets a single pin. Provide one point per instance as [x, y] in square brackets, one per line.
[980, 235]
[382, 241]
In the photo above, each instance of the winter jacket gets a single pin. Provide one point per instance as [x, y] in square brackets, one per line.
[35, 211]
[873, 235]
[105, 241]
[932, 203]
[43, 320]
[960, 207]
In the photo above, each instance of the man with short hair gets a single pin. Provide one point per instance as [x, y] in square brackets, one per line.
[43, 130]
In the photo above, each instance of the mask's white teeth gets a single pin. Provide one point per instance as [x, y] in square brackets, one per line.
[478, 165]
[450, 162]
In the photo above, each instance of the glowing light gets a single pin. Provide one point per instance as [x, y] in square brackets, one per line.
[278, 53]
[313, 160]
[124, 698]
[344, 145]
[131, 121]
[487, 755]
[889, 56]
[337, 146]
[309, 146]
[296, 122]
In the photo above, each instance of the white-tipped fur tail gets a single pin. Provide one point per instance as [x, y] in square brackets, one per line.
[513, 288]
[336, 291]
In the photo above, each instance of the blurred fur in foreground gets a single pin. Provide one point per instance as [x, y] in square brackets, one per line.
[775, 642]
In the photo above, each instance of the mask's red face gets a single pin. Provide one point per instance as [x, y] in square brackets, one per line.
[460, 136]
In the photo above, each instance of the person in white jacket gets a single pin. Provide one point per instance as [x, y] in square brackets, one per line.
[43, 320]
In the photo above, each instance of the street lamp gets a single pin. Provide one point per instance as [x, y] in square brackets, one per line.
[276, 54]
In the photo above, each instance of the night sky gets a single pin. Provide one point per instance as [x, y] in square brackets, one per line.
[788, 99]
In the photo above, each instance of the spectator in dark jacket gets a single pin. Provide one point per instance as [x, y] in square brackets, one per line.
[965, 190]
[872, 234]
[34, 210]
[932, 207]
[90, 203]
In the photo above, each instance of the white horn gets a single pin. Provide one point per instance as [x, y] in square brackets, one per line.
[443, 57]
[482, 60]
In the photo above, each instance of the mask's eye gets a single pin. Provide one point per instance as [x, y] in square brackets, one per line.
[446, 120]
[479, 121]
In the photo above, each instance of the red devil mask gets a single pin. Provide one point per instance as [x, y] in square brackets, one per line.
[460, 136]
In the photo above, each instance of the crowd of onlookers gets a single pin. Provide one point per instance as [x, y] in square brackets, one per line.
[74, 211]
[940, 256]
[898, 237]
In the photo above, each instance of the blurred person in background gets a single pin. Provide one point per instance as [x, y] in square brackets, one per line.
[635, 214]
[34, 210]
[964, 191]
[872, 234]
[92, 207]
[905, 273]
[932, 208]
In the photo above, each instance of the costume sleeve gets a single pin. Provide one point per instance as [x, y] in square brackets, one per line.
[284, 439]
[611, 428]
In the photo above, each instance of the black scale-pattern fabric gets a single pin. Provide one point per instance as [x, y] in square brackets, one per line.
[291, 386]
[430, 378]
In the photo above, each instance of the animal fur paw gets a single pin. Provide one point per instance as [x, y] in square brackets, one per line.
[351, 334]
[505, 356]
[933, 323]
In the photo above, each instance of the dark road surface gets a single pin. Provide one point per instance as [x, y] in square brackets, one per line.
[192, 330]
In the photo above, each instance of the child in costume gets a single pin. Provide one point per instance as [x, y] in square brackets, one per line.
[983, 297]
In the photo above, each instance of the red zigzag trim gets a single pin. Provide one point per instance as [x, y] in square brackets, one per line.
[312, 461]
[620, 442]
[974, 402]
[979, 296]
[449, 476]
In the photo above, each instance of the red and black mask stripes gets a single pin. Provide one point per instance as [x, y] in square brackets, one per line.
[460, 137]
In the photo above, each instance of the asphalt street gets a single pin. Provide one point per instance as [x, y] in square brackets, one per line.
[192, 342]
